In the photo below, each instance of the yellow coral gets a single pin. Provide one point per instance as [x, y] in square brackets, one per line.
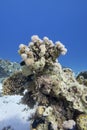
[82, 122]
[41, 110]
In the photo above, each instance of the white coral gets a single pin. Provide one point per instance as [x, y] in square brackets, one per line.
[45, 39]
[70, 124]
[61, 47]
[35, 38]
[42, 49]
[63, 51]
[30, 44]
[24, 56]
[48, 41]
[21, 46]
[27, 50]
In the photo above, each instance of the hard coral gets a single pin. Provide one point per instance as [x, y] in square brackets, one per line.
[14, 84]
[82, 78]
[82, 122]
[40, 52]
[54, 88]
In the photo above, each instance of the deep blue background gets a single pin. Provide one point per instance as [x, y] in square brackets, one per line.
[64, 20]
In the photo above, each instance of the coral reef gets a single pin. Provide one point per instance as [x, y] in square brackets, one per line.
[60, 98]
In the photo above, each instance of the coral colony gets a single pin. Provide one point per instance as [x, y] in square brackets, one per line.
[61, 100]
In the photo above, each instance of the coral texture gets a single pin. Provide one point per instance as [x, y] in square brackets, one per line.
[59, 96]
[82, 78]
[82, 122]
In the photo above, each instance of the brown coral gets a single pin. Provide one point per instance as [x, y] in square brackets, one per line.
[14, 84]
